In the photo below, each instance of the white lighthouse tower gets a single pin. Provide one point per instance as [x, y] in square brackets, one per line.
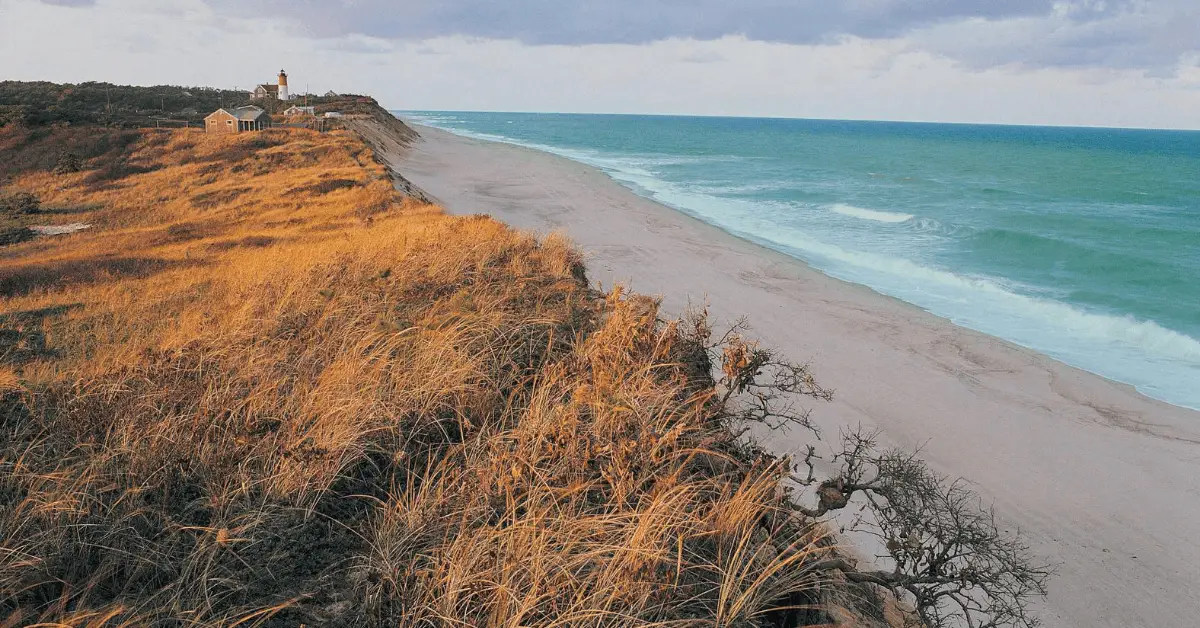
[283, 90]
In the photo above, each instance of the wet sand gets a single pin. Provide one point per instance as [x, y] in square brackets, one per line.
[1103, 481]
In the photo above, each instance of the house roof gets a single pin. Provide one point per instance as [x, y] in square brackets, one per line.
[248, 113]
[245, 114]
[268, 87]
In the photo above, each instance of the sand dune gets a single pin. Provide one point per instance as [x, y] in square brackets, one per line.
[1104, 481]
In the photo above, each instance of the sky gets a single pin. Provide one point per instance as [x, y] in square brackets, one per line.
[1126, 63]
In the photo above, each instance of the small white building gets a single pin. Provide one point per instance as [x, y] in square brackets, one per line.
[333, 114]
[300, 111]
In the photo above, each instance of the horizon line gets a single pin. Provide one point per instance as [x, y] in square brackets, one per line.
[809, 118]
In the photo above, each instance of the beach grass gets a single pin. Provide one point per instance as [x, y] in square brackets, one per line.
[264, 388]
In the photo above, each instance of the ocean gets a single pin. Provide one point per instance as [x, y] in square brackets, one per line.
[1083, 244]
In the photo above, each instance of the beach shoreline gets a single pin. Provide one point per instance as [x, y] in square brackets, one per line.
[1102, 479]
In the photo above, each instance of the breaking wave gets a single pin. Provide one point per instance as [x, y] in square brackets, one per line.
[870, 214]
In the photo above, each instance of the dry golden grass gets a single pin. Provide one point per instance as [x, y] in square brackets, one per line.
[245, 398]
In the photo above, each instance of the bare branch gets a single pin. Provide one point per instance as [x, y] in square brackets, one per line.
[951, 560]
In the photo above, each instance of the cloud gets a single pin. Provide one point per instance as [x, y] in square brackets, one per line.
[920, 75]
[1133, 34]
[578, 22]
[1146, 34]
[702, 57]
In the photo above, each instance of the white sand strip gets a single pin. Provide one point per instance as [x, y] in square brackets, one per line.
[1103, 480]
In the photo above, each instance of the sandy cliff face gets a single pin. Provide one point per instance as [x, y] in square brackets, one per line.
[388, 136]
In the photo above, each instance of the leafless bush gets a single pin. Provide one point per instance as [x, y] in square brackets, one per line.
[952, 563]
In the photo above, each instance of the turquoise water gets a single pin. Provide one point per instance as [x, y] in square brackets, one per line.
[1083, 244]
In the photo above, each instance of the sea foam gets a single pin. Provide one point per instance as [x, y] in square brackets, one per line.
[870, 214]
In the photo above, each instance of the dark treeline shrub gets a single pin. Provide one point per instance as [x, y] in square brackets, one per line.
[26, 149]
[19, 203]
[44, 103]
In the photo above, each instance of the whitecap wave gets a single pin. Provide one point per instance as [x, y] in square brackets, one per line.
[870, 214]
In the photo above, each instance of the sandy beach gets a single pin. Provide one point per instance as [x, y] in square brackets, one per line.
[1103, 481]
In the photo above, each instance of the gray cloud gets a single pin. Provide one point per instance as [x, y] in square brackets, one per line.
[1131, 34]
[628, 21]
[1145, 34]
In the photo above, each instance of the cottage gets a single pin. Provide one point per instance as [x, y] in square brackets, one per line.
[300, 111]
[237, 120]
[277, 92]
[333, 114]
[265, 91]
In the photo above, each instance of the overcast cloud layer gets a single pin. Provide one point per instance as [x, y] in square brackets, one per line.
[1150, 34]
[1107, 62]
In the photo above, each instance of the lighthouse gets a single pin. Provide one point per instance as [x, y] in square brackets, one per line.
[283, 90]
